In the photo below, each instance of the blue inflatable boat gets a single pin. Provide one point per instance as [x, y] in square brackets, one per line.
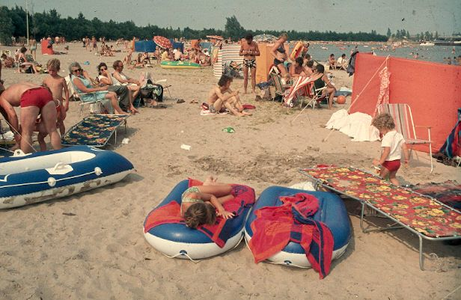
[41, 176]
[331, 211]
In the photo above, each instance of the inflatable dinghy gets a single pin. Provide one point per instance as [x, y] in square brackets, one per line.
[41, 176]
[331, 212]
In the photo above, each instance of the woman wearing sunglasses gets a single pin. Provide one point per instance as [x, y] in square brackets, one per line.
[90, 93]
[122, 91]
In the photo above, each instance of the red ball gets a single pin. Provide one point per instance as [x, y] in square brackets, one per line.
[341, 99]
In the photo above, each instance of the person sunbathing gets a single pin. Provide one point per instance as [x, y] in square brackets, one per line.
[26, 66]
[120, 78]
[332, 61]
[297, 69]
[322, 82]
[8, 62]
[89, 93]
[200, 203]
[222, 96]
[122, 91]
[341, 63]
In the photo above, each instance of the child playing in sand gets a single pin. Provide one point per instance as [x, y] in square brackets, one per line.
[222, 96]
[392, 146]
[199, 203]
[57, 86]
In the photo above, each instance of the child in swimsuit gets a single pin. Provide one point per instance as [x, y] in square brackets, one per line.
[200, 203]
[392, 146]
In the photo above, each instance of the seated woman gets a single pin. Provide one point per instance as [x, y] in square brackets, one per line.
[8, 62]
[323, 81]
[280, 55]
[89, 93]
[297, 69]
[122, 91]
[120, 78]
[24, 65]
[309, 69]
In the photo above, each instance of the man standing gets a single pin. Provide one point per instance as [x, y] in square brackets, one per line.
[249, 50]
[34, 100]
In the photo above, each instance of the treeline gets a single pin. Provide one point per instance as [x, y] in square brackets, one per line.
[13, 24]
[405, 34]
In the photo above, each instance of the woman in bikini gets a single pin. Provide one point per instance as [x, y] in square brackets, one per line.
[280, 54]
[200, 203]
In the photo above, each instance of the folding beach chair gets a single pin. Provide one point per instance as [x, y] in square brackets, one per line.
[94, 104]
[404, 124]
[280, 88]
[317, 96]
[424, 216]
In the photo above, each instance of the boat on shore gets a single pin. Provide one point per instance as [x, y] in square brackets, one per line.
[452, 41]
[32, 178]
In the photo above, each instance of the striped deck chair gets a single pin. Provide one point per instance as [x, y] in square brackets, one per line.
[404, 124]
[422, 215]
[280, 88]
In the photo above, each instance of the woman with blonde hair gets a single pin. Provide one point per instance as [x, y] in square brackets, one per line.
[279, 52]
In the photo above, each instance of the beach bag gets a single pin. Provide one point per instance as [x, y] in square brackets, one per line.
[152, 91]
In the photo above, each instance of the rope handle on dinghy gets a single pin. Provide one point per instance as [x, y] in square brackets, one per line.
[183, 253]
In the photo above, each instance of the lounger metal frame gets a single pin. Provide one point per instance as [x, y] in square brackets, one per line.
[397, 224]
[114, 133]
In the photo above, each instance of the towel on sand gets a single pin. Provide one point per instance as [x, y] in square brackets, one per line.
[275, 227]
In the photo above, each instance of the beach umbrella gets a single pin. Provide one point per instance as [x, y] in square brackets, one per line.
[162, 42]
[265, 38]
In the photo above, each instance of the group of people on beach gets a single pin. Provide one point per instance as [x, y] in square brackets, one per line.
[43, 108]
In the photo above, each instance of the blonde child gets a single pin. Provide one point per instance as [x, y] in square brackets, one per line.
[58, 88]
[200, 203]
[392, 145]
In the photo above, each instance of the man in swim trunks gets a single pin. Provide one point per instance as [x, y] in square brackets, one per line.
[34, 100]
[249, 50]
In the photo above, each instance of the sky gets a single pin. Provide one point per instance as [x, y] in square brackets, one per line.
[443, 16]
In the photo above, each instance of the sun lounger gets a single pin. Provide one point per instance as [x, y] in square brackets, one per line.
[424, 216]
[94, 130]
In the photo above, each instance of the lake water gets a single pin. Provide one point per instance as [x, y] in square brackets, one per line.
[425, 53]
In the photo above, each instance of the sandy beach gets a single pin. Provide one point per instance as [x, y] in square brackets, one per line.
[91, 245]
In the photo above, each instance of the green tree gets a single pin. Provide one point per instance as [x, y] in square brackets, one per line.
[389, 33]
[233, 28]
[6, 26]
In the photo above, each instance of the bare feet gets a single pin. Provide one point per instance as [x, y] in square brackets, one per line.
[244, 113]
[133, 110]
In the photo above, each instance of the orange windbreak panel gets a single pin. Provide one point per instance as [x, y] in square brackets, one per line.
[432, 90]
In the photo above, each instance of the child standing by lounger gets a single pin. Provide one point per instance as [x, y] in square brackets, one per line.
[392, 145]
[199, 203]
[58, 88]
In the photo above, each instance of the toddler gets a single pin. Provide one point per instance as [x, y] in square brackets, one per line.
[392, 145]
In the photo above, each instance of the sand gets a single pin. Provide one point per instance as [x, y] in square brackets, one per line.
[91, 245]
